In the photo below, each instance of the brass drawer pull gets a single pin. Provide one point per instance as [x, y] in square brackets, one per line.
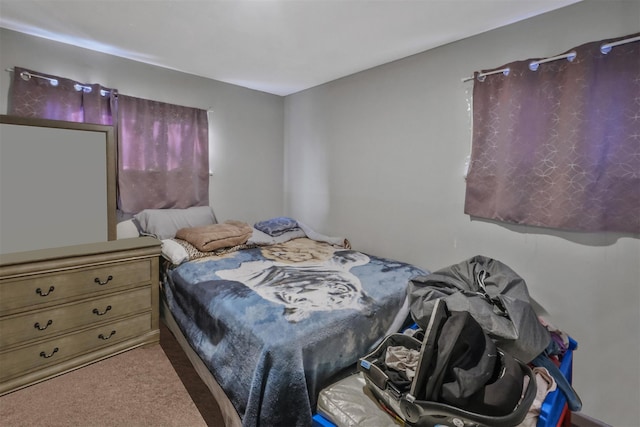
[102, 337]
[42, 328]
[97, 312]
[99, 282]
[42, 294]
[43, 354]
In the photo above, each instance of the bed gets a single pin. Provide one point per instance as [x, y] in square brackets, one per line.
[268, 320]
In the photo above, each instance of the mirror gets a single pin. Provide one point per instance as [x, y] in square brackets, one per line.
[57, 184]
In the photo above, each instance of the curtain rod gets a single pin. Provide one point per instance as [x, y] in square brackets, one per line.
[481, 76]
[26, 75]
[606, 48]
[533, 65]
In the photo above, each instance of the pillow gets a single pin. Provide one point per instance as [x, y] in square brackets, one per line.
[216, 236]
[174, 251]
[276, 226]
[126, 229]
[164, 223]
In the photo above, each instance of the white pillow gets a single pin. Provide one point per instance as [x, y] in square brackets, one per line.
[164, 223]
[126, 229]
[174, 251]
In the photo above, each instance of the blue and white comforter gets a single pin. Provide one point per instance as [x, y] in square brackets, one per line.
[274, 323]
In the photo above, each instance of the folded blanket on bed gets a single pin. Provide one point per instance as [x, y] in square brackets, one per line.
[215, 236]
[300, 230]
[276, 226]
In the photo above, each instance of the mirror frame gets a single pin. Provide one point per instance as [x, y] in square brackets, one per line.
[110, 156]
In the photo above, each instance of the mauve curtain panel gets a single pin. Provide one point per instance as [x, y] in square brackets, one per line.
[163, 155]
[559, 147]
[68, 100]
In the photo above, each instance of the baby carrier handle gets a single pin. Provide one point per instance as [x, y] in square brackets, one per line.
[428, 413]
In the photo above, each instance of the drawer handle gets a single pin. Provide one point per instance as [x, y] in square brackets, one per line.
[43, 354]
[42, 294]
[97, 280]
[97, 312]
[102, 337]
[42, 328]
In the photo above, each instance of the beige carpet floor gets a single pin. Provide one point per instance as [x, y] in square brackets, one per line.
[136, 388]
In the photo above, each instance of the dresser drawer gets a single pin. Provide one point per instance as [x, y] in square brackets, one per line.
[50, 322]
[50, 352]
[53, 287]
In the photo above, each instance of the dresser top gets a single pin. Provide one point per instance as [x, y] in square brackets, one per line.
[79, 250]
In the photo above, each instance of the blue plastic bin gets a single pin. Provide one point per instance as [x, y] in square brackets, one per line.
[555, 402]
[320, 421]
[553, 407]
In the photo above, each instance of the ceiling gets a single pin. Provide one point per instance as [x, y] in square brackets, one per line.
[275, 46]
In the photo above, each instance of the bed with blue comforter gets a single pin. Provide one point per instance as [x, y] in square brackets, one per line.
[275, 323]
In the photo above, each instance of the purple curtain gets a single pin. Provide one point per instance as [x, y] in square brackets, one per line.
[163, 155]
[560, 147]
[69, 100]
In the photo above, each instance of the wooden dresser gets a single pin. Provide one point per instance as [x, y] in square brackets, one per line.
[64, 308]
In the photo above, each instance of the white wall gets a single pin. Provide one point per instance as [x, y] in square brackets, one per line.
[378, 157]
[247, 125]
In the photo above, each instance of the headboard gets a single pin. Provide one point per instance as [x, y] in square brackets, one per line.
[57, 183]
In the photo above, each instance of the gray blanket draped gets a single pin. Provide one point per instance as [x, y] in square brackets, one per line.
[494, 294]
